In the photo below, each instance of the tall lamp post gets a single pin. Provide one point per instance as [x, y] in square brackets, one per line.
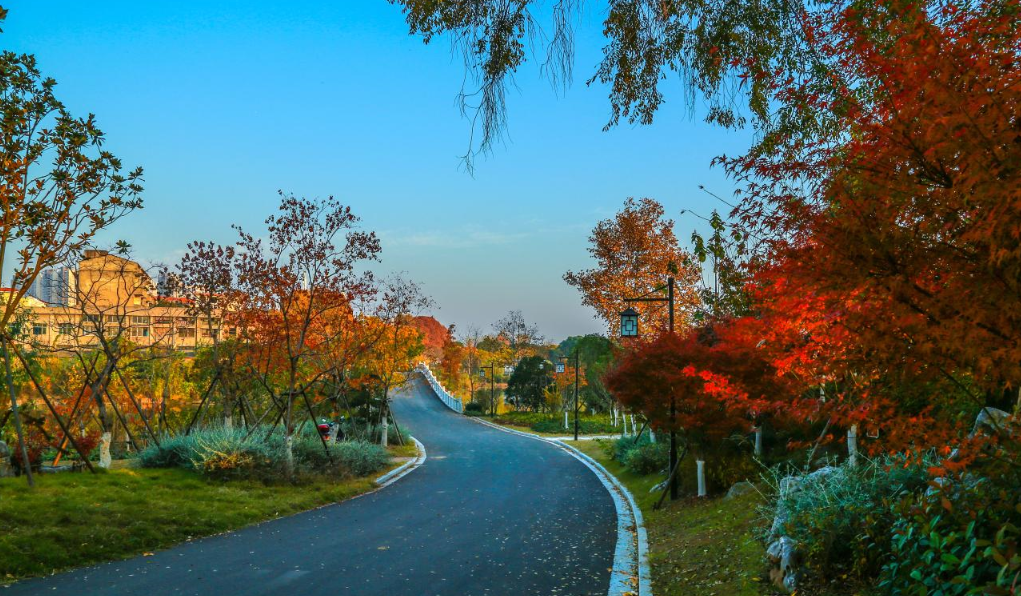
[492, 386]
[629, 328]
[562, 368]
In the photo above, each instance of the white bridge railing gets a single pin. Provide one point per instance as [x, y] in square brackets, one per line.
[448, 399]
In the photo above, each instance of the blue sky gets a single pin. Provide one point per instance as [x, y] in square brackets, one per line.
[224, 103]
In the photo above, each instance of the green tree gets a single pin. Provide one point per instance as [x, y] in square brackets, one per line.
[722, 51]
[58, 189]
[529, 381]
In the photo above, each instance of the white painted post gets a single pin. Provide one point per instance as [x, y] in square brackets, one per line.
[652, 435]
[566, 426]
[758, 441]
[701, 477]
[386, 430]
[852, 444]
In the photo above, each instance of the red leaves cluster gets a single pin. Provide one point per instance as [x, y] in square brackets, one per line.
[891, 277]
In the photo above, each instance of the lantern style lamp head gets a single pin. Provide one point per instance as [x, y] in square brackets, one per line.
[562, 365]
[629, 323]
[482, 373]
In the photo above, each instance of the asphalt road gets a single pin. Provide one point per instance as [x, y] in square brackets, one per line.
[489, 513]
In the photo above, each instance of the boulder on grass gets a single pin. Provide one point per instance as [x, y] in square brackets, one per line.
[740, 488]
[783, 563]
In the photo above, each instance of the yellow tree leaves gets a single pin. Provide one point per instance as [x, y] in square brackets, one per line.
[635, 252]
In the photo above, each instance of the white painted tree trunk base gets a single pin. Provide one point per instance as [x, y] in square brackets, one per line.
[104, 451]
[700, 465]
[852, 444]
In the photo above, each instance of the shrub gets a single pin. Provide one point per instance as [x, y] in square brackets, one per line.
[227, 454]
[840, 516]
[648, 458]
[360, 459]
[960, 539]
[473, 409]
[619, 449]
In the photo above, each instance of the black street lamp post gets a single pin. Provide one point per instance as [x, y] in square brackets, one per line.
[562, 367]
[629, 328]
[492, 386]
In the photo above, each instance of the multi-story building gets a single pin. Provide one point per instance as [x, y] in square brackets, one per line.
[55, 286]
[113, 297]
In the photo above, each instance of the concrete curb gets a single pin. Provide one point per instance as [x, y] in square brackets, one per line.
[408, 467]
[631, 557]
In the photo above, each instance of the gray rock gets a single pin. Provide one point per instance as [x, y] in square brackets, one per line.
[822, 473]
[990, 421]
[778, 521]
[658, 487]
[784, 561]
[790, 485]
[740, 488]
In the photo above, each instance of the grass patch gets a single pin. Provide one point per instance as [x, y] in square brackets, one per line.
[543, 426]
[696, 547]
[71, 520]
[406, 450]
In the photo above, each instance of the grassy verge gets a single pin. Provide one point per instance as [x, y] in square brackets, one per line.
[501, 420]
[696, 547]
[70, 520]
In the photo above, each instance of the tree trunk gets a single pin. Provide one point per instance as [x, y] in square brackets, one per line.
[758, 441]
[104, 450]
[652, 435]
[566, 425]
[17, 415]
[289, 454]
[852, 445]
[700, 467]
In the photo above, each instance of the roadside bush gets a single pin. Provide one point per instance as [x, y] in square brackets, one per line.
[473, 408]
[225, 454]
[962, 538]
[360, 459]
[840, 516]
[173, 452]
[620, 448]
[648, 458]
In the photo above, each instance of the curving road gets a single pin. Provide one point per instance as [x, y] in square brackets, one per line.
[489, 513]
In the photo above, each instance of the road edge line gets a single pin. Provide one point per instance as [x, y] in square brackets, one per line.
[407, 468]
[621, 496]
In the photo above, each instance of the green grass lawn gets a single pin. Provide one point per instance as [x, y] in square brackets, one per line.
[70, 520]
[697, 547]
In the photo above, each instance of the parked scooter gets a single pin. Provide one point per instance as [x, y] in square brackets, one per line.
[331, 430]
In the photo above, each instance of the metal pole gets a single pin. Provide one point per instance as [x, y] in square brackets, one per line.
[577, 371]
[492, 390]
[673, 405]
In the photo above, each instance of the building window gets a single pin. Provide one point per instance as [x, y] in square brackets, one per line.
[186, 333]
[139, 332]
[38, 328]
[66, 329]
[139, 320]
[114, 318]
